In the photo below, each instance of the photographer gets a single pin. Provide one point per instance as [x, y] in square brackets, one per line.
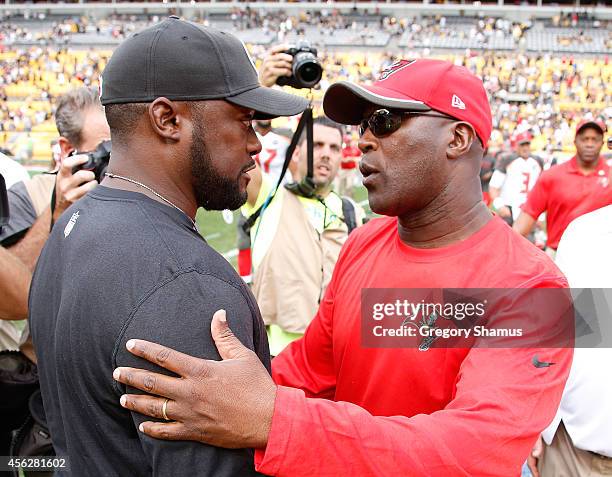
[297, 238]
[80, 120]
[277, 68]
[270, 161]
[81, 123]
[12, 306]
[82, 126]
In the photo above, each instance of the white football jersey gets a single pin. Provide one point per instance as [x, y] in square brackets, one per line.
[515, 177]
[272, 155]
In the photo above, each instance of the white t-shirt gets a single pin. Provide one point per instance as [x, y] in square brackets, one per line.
[272, 155]
[12, 171]
[515, 177]
[585, 257]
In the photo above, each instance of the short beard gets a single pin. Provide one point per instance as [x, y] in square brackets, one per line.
[212, 191]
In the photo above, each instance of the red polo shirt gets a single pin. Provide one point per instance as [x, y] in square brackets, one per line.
[565, 193]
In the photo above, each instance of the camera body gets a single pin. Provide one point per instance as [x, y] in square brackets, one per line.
[97, 160]
[306, 69]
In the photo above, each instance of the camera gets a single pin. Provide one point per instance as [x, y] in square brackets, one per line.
[306, 70]
[97, 160]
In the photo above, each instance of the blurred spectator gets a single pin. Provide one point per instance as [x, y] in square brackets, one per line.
[572, 189]
[547, 92]
[270, 161]
[515, 175]
[297, 238]
[487, 166]
[273, 148]
[347, 175]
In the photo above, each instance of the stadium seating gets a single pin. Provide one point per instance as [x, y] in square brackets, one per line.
[535, 72]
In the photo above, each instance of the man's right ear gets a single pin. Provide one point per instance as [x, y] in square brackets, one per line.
[165, 118]
[66, 147]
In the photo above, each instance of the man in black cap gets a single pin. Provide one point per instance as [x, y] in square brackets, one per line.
[128, 259]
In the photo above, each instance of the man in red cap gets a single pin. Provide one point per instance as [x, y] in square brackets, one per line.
[515, 175]
[572, 189]
[337, 405]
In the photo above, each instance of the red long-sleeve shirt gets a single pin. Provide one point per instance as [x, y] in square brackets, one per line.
[442, 412]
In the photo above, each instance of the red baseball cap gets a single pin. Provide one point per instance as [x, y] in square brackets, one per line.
[523, 138]
[596, 123]
[415, 85]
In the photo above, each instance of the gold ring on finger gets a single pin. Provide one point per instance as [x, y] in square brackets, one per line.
[164, 409]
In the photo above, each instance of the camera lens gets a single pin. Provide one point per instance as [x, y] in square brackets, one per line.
[310, 72]
[307, 70]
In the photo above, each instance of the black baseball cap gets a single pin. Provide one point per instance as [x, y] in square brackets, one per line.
[183, 61]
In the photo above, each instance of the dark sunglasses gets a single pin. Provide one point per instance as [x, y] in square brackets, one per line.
[383, 122]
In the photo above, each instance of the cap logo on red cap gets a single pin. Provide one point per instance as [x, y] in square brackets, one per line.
[457, 103]
[394, 68]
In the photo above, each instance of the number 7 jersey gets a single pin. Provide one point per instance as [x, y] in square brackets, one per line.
[272, 155]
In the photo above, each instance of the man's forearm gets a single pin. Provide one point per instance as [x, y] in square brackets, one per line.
[15, 281]
[28, 249]
[523, 224]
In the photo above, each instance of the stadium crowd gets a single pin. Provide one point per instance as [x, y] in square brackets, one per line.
[544, 93]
